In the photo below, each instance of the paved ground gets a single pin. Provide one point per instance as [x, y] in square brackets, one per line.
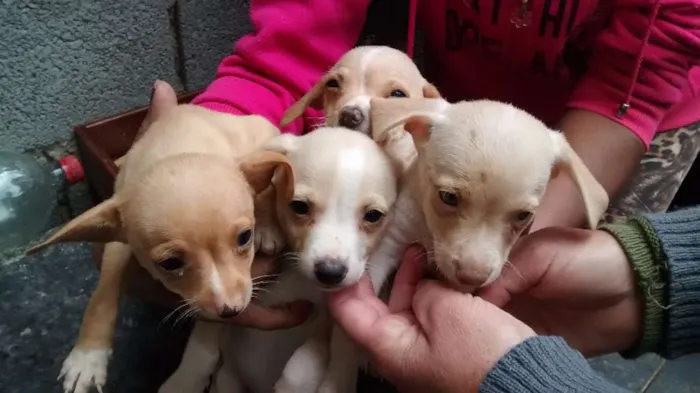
[43, 298]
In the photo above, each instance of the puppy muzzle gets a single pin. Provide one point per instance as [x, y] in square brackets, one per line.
[351, 117]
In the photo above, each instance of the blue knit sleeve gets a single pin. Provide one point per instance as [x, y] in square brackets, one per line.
[545, 364]
[679, 235]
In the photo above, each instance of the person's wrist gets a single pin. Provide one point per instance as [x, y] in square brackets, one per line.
[642, 250]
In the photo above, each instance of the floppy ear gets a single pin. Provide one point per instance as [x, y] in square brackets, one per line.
[101, 224]
[283, 143]
[417, 115]
[258, 168]
[314, 99]
[595, 198]
[430, 91]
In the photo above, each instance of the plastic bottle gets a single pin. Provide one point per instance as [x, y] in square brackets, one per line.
[29, 194]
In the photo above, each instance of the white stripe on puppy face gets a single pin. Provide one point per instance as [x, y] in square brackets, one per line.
[362, 99]
[336, 234]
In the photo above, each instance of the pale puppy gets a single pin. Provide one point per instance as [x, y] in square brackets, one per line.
[183, 205]
[343, 191]
[363, 73]
[480, 175]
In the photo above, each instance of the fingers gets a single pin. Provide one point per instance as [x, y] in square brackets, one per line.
[263, 318]
[358, 310]
[529, 260]
[429, 298]
[408, 276]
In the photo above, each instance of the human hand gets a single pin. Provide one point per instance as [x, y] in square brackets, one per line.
[573, 283]
[429, 337]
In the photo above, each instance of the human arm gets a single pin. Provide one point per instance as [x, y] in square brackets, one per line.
[664, 250]
[431, 338]
[293, 44]
[626, 67]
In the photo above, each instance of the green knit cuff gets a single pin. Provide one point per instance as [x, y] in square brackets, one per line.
[643, 249]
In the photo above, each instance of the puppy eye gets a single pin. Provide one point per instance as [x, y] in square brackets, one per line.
[448, 198]
[398, 94]
[523, 216]
[171, 264]
[333, 84]
[300, 208]
[373, 216]
[244, 238]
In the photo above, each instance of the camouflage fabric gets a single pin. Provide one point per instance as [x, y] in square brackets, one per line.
[661, 173]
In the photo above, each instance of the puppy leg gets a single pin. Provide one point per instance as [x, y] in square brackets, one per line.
[345, 356]
[341, 374]
[268, 234]
[198, 361]
[227, 379]
[86, 365]
[305, 370]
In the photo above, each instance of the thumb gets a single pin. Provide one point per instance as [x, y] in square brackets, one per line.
[529, 260]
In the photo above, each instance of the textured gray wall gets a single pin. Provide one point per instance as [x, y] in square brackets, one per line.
[65, 62]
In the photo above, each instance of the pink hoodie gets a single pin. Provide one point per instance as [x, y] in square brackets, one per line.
[643, 56]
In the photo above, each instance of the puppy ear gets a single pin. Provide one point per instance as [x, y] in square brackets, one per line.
[101, 224]
[430, 91]
[595, 198]
[259, 168]
[282, 144]
[416, 115]
[164, 99]
[314, 99]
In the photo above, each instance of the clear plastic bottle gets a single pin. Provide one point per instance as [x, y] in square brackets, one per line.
[29, 193]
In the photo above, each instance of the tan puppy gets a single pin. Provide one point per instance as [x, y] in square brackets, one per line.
[183, 204]
[361, 74]
[481, 171]
[344, 191]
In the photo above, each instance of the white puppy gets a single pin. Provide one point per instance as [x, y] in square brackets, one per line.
[363, 73]
[481, 171]
[344, 191]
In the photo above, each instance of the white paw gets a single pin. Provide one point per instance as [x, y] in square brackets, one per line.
[269, 240]
[304, 370]
[84, 368]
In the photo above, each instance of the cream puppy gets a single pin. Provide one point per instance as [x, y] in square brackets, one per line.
[363, 73]
[183, 205]
[481, 171]
[344, 189]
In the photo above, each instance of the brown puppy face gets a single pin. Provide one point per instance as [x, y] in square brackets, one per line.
[197, 246]
[189, 221]
[361, 74]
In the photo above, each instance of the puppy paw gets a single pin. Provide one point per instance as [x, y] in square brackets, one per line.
[269, 239]
[84, 368]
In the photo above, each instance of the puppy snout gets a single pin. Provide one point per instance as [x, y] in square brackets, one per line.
[351, 117]
[228, 312]
[330, 271]
[471, 274]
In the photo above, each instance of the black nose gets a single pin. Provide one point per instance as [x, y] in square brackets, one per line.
[351, 117]
[228, 312]
[330, 272]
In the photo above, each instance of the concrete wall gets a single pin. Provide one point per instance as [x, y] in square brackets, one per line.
[65, 62]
